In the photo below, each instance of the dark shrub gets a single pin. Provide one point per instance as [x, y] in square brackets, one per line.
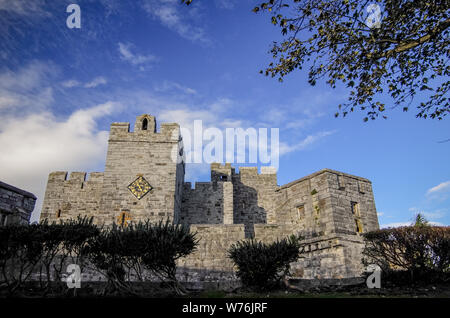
[422, 251]
[261, 266]
[41, 249]
[120, 252]
[166, 243]
[20, 252]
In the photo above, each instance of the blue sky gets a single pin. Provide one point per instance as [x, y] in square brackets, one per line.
[60, 89]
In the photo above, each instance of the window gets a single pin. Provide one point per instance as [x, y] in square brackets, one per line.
[357, 215]
[3, 219]
[58, 214]
[358, 226]
[301, 212]
[124, 218]
[144, 124]
[224, 178]
[355, 209]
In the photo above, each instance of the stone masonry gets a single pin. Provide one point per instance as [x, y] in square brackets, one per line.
[16, 205]
[144, 179]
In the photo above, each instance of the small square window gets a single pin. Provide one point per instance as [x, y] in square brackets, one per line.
[123, 219]
[301, 212]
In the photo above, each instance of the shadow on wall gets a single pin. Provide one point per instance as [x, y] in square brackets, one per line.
[246, 209]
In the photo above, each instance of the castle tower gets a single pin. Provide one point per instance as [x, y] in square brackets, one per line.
[143, 179]
[143, 175]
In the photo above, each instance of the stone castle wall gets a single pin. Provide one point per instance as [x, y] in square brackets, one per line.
[329, 209]
[106, 197]
[143, 153]
[207, 203]
[16, 205]
[66, 198]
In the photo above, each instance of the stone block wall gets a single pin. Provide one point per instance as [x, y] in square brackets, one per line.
[146, 153]
[214, 242]
[143, 153]
[347, 190]
[324, 257]
[207, 203]
[306, 204]
[66, 198]
[16, 205]
[254, 195]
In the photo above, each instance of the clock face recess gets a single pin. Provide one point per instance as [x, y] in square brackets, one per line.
[140, 187]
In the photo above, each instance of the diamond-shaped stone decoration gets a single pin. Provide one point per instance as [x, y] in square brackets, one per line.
[140, 187]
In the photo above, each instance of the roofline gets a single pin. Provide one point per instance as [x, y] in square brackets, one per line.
[17, 190]
[287, 185]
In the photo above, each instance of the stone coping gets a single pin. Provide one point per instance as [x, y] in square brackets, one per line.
[17, 190]
[312, 175]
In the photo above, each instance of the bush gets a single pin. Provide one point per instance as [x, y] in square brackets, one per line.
[116, 252]
[120, 252]
[165, 244]
[20, 252]
[422, 251]
[261, 266]
[24, 249]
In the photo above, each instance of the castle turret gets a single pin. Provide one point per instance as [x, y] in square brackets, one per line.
[143, 179]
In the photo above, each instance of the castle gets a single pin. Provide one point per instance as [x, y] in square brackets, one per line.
[141, 180]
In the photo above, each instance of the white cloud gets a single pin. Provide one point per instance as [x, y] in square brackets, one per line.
[36, 144]
[395, 224]
[441, 187]
[436, 214]
[171, 86]
[136, 59]
[100, 80]
[96, 82]
[24, 7]
[25, 88]
[307, 141]
[225, 4]
[180, 19]
[71, 83]
[399, 224]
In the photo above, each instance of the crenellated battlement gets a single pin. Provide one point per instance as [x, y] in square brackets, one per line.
[75, 176]
[219, 166]
[268, 175]
[144, 130]
[198, 186]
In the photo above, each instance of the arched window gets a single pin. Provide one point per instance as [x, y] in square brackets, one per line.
[144, 124]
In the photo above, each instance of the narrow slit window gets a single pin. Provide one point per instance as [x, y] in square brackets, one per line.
[358, 226]
[58, 214]
[145, 124]
[301, 212]
[355, 209]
